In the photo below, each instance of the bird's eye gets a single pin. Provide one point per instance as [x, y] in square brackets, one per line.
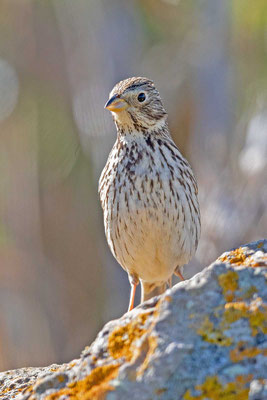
[141, 97]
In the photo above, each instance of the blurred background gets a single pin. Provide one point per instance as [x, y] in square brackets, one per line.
[58, 61]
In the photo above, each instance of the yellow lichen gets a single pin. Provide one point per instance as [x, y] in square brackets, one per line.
[255, 312]
[242, 352]
[236, 307]
[94, 386]
[249, 293]
[229, 284]
[213, 389]
[213, 335]
[121, 342]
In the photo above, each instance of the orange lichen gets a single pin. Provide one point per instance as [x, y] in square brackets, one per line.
[14, 390]
[72, 364]
[229, 284]
[61, 378]
[28, 389]
[213, 389]
[151, 344]
[121, 342]
[236, 305]
[160, 391]
[53, 369]
[94, 386]
[238, 257]
[169, 299]
[241, 352]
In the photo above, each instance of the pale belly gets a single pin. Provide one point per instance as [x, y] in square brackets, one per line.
[150, 243]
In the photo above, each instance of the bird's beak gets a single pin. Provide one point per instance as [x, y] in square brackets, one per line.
[116, 104]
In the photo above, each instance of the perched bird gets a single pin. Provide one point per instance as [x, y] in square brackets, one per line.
[147, 191]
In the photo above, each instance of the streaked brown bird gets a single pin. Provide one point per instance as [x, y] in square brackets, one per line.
[148, 192]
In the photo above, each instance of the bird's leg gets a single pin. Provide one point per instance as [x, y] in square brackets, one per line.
[134, 281]
[132, 296]
[177, 272]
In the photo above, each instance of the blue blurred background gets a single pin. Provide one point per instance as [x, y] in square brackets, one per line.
[58, 61]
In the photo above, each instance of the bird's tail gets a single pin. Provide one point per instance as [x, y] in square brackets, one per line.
[150, 290]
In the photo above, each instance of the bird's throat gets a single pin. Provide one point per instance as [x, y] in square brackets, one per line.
[130, 126]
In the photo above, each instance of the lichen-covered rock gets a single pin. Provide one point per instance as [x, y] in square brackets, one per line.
[205, 338]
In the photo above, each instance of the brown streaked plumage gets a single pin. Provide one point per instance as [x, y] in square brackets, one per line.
[147, 191]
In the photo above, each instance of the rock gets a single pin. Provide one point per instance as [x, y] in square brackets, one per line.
[206, 338]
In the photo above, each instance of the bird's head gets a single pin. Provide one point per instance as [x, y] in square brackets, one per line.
[136, 106]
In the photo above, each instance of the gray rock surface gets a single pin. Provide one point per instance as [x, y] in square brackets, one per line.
[206, 338]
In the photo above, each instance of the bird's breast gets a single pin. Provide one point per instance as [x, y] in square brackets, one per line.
[150, 208]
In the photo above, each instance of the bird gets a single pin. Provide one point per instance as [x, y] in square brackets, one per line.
[148, 192]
